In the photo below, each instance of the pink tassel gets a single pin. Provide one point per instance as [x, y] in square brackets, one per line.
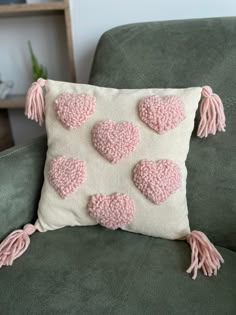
[204, 255]
[212, 114]
[15, 245]
[35, 104]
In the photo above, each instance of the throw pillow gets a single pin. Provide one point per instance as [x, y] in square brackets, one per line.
[117, 158]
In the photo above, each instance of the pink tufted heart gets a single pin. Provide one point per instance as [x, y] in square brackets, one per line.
[112, 211]
[115, 141]
[74, 109]
[66, 175]
[161, 113]
[157, 180]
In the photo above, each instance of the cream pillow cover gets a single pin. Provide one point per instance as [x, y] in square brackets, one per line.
[169, 219]
[117, 158]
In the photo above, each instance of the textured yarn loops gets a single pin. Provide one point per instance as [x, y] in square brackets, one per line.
[112, 211]
[74, 109]
[66, 175]
[161, 113]
[115, 141]
[157, 180]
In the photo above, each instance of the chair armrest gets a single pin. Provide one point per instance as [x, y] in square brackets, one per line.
[21, 178]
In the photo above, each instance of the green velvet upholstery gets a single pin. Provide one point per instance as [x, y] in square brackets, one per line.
[92, 270]
[95, 271]
[21, 178]
[183, 54]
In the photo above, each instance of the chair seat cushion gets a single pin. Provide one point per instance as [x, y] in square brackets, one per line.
[93, 270]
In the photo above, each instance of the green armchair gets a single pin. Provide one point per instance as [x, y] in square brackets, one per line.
[93, 270]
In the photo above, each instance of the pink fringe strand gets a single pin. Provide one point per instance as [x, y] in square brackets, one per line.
[212, 114]
[204, 255]
[35, 104]
[15, 245]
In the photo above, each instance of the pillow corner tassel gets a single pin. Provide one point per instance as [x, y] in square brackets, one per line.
[212, 113]
[35, 103]
[15, 244]
[204, 255]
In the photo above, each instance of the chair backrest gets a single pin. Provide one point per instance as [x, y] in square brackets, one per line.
[183, 54]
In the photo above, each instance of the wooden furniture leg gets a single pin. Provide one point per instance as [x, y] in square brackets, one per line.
[6, 139]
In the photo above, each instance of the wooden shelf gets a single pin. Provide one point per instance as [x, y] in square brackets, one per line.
[13, 101]
[56, 7]
[33, 9]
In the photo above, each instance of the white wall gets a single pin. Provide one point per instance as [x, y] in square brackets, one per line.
[90, 18]
[93, 17]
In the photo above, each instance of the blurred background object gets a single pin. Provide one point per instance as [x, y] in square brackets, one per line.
[5, 88]
[39, 71]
